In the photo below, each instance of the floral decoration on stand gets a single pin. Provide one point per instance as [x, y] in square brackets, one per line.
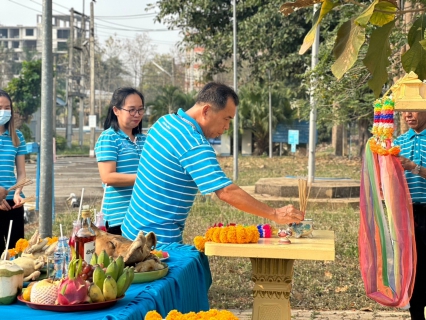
[231, 233]
[202, 315]
[383, 127]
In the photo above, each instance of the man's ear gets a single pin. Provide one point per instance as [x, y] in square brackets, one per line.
[206, 107]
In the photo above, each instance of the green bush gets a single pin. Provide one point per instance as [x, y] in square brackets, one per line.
[61, 143]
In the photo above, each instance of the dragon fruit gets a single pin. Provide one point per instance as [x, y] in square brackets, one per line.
[73, 289]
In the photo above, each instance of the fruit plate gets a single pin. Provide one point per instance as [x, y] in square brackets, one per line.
[70, 308]
[165, 256]
[148, 276]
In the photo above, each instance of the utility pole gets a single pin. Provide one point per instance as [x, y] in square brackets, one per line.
[54, 96]
[92, 79]
[70, 76]
[235, 151]
[82, 82]
[46, 145]
[270, 114]
[313, 114]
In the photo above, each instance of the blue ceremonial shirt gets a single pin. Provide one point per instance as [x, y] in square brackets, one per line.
[413, 147]
[177, 161]
[117, 147]
[8, 154]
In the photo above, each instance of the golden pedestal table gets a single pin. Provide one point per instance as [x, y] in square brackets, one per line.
[272, 268]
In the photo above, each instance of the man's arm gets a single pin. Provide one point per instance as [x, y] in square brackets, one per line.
[410, 165]
[3, 193]
[241, 200]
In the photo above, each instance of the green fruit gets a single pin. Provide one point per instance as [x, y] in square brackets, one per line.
[103, 259]
[95, 293]
[120, 265]
[109, 289]
[94, 259]
[132, 274]
[112, 270]
[121, 283]
[99, 276]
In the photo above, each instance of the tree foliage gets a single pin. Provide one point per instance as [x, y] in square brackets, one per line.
[382, 17]
[253, 111]
[266, 39]
[25, 90]
[169, 100]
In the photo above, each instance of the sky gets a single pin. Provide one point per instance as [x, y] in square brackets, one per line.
[125, 18]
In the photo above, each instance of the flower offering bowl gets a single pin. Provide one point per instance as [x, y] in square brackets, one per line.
[302, 229]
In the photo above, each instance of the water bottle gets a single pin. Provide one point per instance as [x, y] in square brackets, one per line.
[62, 257]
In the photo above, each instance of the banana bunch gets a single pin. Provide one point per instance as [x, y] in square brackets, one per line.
[112, 282]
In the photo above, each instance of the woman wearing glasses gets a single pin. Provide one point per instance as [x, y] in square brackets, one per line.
[118, 150]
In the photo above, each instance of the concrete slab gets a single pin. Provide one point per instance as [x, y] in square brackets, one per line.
[327, 188]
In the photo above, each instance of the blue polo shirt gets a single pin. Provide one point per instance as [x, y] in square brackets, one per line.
[8, 154]
[413, 147]
[117, 147]
[177, 161]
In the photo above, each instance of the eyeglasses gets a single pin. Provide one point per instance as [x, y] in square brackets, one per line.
[133, 111]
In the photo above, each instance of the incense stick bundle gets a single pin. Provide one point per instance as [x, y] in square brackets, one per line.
[29, 199]
[20, 184]
[304, 192]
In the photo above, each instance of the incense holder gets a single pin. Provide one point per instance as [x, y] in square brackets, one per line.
[302, 229]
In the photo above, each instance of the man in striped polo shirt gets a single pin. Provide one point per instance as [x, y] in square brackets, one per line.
[412, 157]
[177, 161]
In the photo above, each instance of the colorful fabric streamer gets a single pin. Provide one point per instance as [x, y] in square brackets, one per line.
[387, 250]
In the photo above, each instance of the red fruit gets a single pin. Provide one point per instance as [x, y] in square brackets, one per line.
[165, 254]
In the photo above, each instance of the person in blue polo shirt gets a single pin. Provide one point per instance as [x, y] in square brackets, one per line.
[3, 193]
[118, 150]
[413, 157]
[177, 161]
[12, 157]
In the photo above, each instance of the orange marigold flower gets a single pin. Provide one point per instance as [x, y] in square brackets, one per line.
[51, 240]
[232, 234]
[209, 234]
[223, 235]
[241, 234]
[200, 243]
[153, 315]
[216, 235]
[12, 252]
[21, 245]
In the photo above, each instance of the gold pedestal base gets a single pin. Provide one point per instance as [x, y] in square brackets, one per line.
[273, 280]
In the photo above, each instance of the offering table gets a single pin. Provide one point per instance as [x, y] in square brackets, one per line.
[184, 288]
[272, 268]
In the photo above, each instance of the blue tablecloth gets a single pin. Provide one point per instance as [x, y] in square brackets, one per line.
[184, 288]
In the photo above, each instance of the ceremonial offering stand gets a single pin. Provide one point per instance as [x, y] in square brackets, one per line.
[272, 268]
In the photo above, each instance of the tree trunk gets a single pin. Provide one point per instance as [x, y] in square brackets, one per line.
[337, 139]
[363, 134]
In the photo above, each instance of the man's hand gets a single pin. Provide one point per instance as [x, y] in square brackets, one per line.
[3, 194]
[407, 164]
[288, 214]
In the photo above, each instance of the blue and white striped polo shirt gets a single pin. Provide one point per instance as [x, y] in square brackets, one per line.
[8, 154]
[413, 147]
[176, 161]
[117, 147]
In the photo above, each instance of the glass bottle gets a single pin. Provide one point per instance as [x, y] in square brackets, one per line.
[61, 258]
[100, 221]
[76, 226]
[85, 238]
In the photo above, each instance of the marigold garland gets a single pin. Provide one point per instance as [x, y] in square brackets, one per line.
[383, 127]
[202, 315]
[228, 234]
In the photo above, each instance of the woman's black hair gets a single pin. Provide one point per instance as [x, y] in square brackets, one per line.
[118, 99]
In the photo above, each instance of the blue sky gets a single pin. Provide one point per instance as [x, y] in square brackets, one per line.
[124, 18]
